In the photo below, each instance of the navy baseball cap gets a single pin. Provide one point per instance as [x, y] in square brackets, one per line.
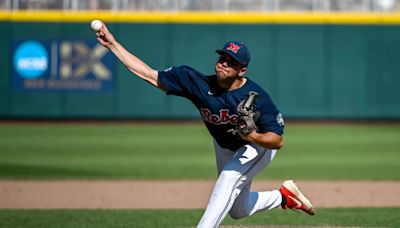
[236, 50]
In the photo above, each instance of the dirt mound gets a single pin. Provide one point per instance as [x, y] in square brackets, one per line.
[181, 194]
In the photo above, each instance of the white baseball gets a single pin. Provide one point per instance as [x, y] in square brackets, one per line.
[96, 25]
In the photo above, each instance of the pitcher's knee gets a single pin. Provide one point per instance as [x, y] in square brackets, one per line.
[228, 176]
[238, 213]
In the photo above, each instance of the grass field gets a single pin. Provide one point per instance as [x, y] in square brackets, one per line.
[150, 151]
[343, 217]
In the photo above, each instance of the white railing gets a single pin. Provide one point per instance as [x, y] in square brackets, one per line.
[213, 5]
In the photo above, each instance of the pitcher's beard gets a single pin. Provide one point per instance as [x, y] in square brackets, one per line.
[220, 75]
[225, 82]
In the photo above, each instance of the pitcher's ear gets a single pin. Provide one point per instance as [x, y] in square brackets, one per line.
[242, 71]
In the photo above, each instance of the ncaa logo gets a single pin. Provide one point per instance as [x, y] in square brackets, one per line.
[31, 59]
[279, 119]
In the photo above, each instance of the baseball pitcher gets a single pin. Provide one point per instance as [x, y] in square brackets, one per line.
[245, 124]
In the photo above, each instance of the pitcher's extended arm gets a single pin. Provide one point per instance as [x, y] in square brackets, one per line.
[131, 62]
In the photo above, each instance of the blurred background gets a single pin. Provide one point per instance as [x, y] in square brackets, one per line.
[318, 59]
[224, 5]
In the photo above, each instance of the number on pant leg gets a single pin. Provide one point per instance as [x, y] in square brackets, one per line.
[249, 154]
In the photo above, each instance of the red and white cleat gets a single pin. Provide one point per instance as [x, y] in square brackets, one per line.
[295, 198]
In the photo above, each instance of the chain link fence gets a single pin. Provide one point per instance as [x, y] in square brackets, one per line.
[206, 5]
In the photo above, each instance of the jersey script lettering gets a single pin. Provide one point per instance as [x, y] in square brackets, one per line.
[222, 118]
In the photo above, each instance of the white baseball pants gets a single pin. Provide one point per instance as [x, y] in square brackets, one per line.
[231, 193]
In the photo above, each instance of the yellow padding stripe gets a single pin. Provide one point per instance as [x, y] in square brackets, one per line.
[202, 17]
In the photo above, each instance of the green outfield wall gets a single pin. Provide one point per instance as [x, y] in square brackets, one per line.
[348, 67]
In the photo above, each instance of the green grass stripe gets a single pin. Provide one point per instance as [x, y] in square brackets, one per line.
[179, 151]
[288, 226]
[349, 217]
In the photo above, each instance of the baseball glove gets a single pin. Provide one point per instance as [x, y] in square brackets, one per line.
[247, 116]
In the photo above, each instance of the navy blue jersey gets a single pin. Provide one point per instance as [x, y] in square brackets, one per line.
[217, 106]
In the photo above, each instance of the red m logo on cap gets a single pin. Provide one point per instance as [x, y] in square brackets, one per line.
[233, 47]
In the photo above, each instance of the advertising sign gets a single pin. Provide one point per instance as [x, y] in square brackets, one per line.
[62, 66]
